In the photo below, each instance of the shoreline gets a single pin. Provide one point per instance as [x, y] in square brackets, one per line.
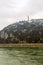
[22, 45]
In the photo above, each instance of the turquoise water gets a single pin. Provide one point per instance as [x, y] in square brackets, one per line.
[21, 56]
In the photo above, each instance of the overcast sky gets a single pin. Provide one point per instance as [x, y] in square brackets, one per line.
[14, 10]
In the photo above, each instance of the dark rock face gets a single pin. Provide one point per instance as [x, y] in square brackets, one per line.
[23, 31]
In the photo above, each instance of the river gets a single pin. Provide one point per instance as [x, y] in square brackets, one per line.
[21, 56]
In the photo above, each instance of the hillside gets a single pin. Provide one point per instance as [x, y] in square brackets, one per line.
[23, 31]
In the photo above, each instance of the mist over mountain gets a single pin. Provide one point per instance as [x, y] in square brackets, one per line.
[23, 31]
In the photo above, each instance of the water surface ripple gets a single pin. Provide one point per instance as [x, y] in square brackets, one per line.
[21, 56]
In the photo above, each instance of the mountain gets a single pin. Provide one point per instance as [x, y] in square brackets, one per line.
[23, 31]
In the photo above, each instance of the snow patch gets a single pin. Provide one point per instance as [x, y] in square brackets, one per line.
[21, 23]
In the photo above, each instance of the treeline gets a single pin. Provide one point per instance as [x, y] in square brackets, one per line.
[8, 40]
[28, 37]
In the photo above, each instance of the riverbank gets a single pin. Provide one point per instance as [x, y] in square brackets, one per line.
[22, 45]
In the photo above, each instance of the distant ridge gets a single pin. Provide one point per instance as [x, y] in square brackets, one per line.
[23, 31]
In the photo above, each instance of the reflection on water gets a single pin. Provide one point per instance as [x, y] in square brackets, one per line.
[21, 56]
